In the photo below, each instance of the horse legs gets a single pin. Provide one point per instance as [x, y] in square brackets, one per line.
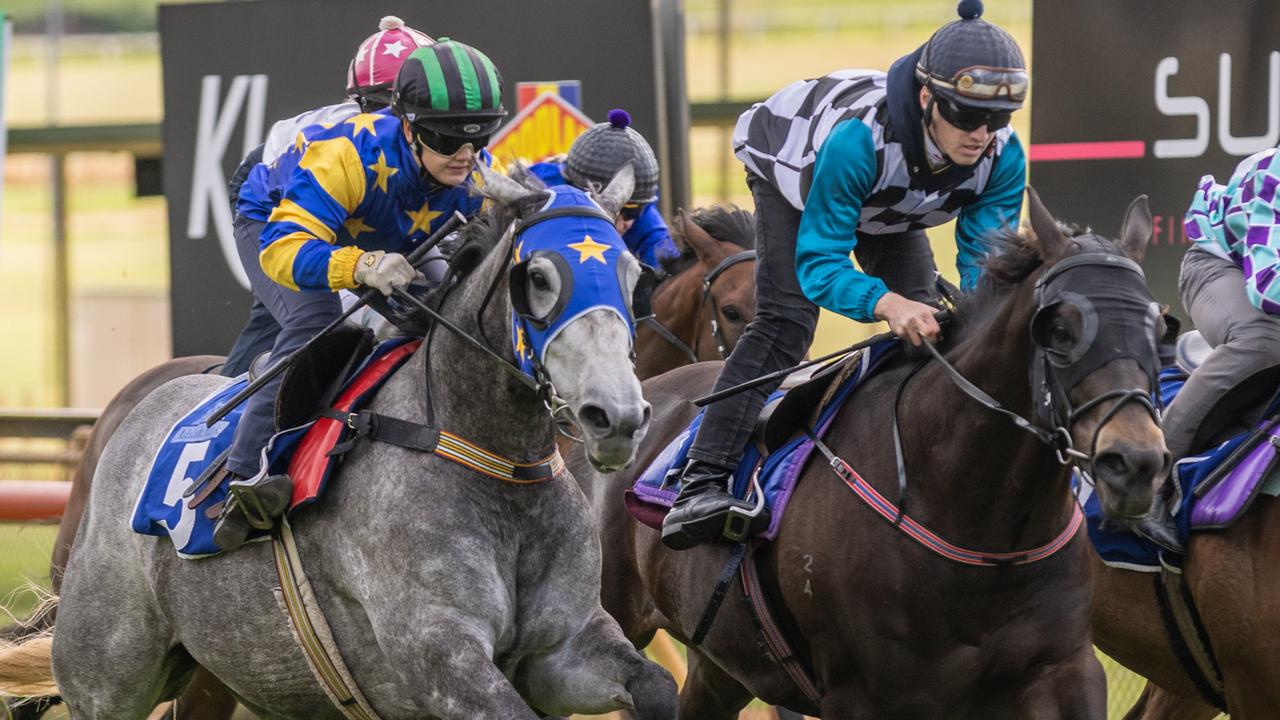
[598, 670]
[710, 693]
[1156, 703]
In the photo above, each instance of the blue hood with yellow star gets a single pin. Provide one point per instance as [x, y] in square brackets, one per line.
[596, 259]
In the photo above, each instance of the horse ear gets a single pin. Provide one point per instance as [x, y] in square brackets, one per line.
[1049, 236]
[700, 241]
[503, 189]
[1135, 231]
[618, 191]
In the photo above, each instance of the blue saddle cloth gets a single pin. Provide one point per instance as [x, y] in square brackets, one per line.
[656, 488]
[189, 448]
[1120, 547]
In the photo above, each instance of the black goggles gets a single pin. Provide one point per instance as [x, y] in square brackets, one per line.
[631, 211]
[446, 143]
[970, 120]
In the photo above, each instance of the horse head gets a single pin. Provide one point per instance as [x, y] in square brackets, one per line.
[727, 267]
[569, 281]
[1095, 330]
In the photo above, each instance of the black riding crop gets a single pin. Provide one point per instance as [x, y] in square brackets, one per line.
[941, 316]
[416, 257]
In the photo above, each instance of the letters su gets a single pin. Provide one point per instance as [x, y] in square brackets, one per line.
[1198, 107]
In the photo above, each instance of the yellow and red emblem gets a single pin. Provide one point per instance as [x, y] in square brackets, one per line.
[544, 127]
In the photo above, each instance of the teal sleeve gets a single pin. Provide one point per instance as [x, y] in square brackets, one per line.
[997, 208]
[843, 176]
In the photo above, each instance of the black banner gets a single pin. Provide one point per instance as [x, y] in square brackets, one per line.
[232, 69]
[1147, 96]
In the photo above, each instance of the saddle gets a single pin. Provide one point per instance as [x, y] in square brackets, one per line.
[806, 391]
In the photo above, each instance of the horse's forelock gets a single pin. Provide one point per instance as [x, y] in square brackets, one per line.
[728, 223]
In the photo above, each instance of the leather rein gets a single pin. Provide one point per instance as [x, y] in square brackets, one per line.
[691, 352]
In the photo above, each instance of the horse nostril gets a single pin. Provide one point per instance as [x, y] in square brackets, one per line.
[596, 417]
[1111, 464]
[1127, 462]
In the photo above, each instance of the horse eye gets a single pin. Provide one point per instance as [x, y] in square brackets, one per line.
[731, 314]
[1059, 334]
[539, 280]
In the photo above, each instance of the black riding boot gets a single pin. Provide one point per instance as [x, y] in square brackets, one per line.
[252, 504]
[705, 511]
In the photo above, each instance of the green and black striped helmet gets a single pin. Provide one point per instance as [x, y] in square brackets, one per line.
[450, 87]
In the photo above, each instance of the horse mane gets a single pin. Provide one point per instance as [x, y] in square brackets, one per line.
[728, 223]
[479, 237]
[1012, 256]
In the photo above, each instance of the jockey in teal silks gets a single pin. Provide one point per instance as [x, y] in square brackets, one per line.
[1230, 287]
[256, 186]
[594, 158]
[859, 161]
[361, 194]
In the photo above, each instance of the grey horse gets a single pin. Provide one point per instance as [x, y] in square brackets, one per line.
[450, 594]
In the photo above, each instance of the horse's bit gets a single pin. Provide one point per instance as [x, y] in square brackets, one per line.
[707, 280]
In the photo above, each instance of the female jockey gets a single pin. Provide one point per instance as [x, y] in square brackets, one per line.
[254, 189]
[860, 161]
[593, 159]
[361, 193]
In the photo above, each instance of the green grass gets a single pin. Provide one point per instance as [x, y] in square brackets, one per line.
[24, 557]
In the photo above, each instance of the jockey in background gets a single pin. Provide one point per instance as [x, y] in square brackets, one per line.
[360, 193]
[1230, 288]
[593, 159]
[860, 161]
[255, 187]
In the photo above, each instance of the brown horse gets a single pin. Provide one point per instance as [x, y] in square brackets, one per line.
[707, 297]
[1231, 578]
[883, 626]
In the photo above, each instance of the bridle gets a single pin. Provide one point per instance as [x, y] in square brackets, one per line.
[707, 280]
[1052, 404]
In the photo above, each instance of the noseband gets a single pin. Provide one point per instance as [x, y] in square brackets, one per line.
[707, 280]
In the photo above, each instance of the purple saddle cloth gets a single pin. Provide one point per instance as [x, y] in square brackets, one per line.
[1227, 500]
[649, 499]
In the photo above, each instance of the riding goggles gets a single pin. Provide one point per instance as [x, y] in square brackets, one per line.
[986, 83]
[631, 211]
[970, 120]
[448, 139]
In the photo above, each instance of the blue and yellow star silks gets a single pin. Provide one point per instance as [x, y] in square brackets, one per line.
[346, 189]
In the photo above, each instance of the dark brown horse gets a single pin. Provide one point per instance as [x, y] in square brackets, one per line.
[704, 303]
[884, 626]
[1232, 579]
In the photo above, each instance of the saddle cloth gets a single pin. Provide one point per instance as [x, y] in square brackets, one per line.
[649, 499]
[190, 447]
[1238, 478]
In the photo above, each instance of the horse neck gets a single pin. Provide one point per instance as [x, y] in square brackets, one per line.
[472, 396]
[992, 484]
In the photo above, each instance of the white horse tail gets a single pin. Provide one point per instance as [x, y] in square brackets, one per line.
[26, 665]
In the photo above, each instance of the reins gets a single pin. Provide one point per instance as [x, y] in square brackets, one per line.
[707, 280]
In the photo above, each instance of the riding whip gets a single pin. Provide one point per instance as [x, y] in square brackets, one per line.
[416, 257]
[941, 316]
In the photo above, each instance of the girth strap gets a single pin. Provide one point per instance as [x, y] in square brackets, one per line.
[773, 635]
[1187, 634]
[431, 439]
[311, 630]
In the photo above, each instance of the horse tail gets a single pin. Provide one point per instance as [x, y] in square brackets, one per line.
[26, 664]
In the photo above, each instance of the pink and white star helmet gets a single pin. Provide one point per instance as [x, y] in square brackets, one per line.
[374, 68]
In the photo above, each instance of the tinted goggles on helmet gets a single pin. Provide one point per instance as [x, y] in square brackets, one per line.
[632, 210]
[449, 138]
[970, 120]
[987, 83]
